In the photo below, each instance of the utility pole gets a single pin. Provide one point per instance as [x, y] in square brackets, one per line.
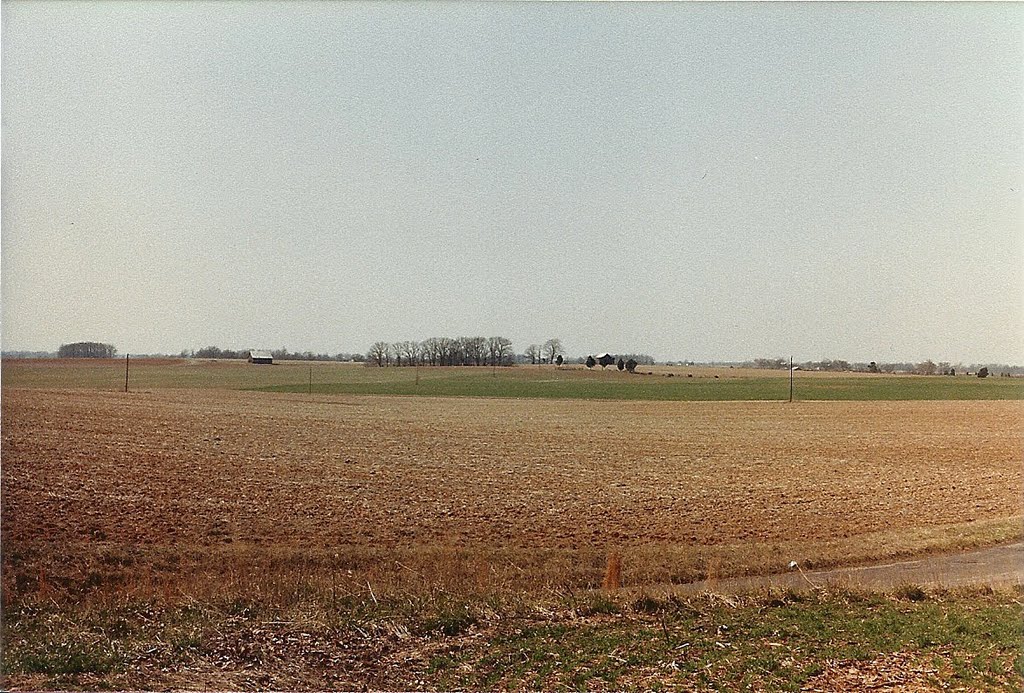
[126, 372]
[310, 380]
[791, 379]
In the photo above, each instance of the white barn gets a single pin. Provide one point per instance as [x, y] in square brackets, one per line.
[261, 356]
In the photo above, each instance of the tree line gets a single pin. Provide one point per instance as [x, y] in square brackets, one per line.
[461, 351]
[282, 354]
[926, 367]
[443, 351]
[86, 350]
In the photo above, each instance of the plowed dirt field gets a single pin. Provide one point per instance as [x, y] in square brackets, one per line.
[200, 469]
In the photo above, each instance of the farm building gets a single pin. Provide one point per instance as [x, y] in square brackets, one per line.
[261, 356]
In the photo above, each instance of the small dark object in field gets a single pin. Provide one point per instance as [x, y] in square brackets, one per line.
[689, 375]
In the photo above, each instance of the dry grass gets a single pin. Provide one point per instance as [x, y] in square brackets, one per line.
[776, 640]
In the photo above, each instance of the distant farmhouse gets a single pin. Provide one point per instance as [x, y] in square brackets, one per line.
[261, 356]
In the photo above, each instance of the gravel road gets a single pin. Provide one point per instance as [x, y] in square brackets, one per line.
[995, 566]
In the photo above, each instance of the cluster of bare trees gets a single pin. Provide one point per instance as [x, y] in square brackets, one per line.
[548, 352]
[443, 351]
[86, 350]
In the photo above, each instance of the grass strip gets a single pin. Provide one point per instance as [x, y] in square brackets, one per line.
[836, 639]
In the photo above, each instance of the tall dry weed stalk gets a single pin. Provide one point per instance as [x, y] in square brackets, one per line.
[613, 572]
[713, 570]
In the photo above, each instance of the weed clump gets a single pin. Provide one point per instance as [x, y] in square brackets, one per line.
[910, 593]
[598, 604]
[451, 622]
[647, 604]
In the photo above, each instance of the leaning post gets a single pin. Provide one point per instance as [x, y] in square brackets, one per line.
[126, 372]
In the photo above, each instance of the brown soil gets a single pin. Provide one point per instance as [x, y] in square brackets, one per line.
[195, 468]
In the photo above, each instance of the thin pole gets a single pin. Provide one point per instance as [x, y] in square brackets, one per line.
[310, 380]
[126, 372]
[790, 378]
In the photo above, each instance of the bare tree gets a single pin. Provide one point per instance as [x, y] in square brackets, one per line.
[498, 348]
[471, 350]
[448, 349]
[410, 351]
[476, 351]
[379, 353]
[533, 352]
[552, 348]
[430, 350]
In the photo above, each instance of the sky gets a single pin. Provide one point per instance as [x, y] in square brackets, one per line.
[703, 181]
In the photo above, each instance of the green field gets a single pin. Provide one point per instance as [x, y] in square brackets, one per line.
[659, 387]
[525, 382]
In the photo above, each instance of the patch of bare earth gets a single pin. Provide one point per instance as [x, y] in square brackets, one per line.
[210, 471]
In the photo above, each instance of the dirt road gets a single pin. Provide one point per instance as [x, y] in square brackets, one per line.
[996, 566]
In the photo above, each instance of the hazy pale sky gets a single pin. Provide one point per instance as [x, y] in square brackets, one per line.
[693, 181]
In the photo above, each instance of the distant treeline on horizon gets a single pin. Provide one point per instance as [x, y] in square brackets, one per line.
[538, 355]
[926, 367]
